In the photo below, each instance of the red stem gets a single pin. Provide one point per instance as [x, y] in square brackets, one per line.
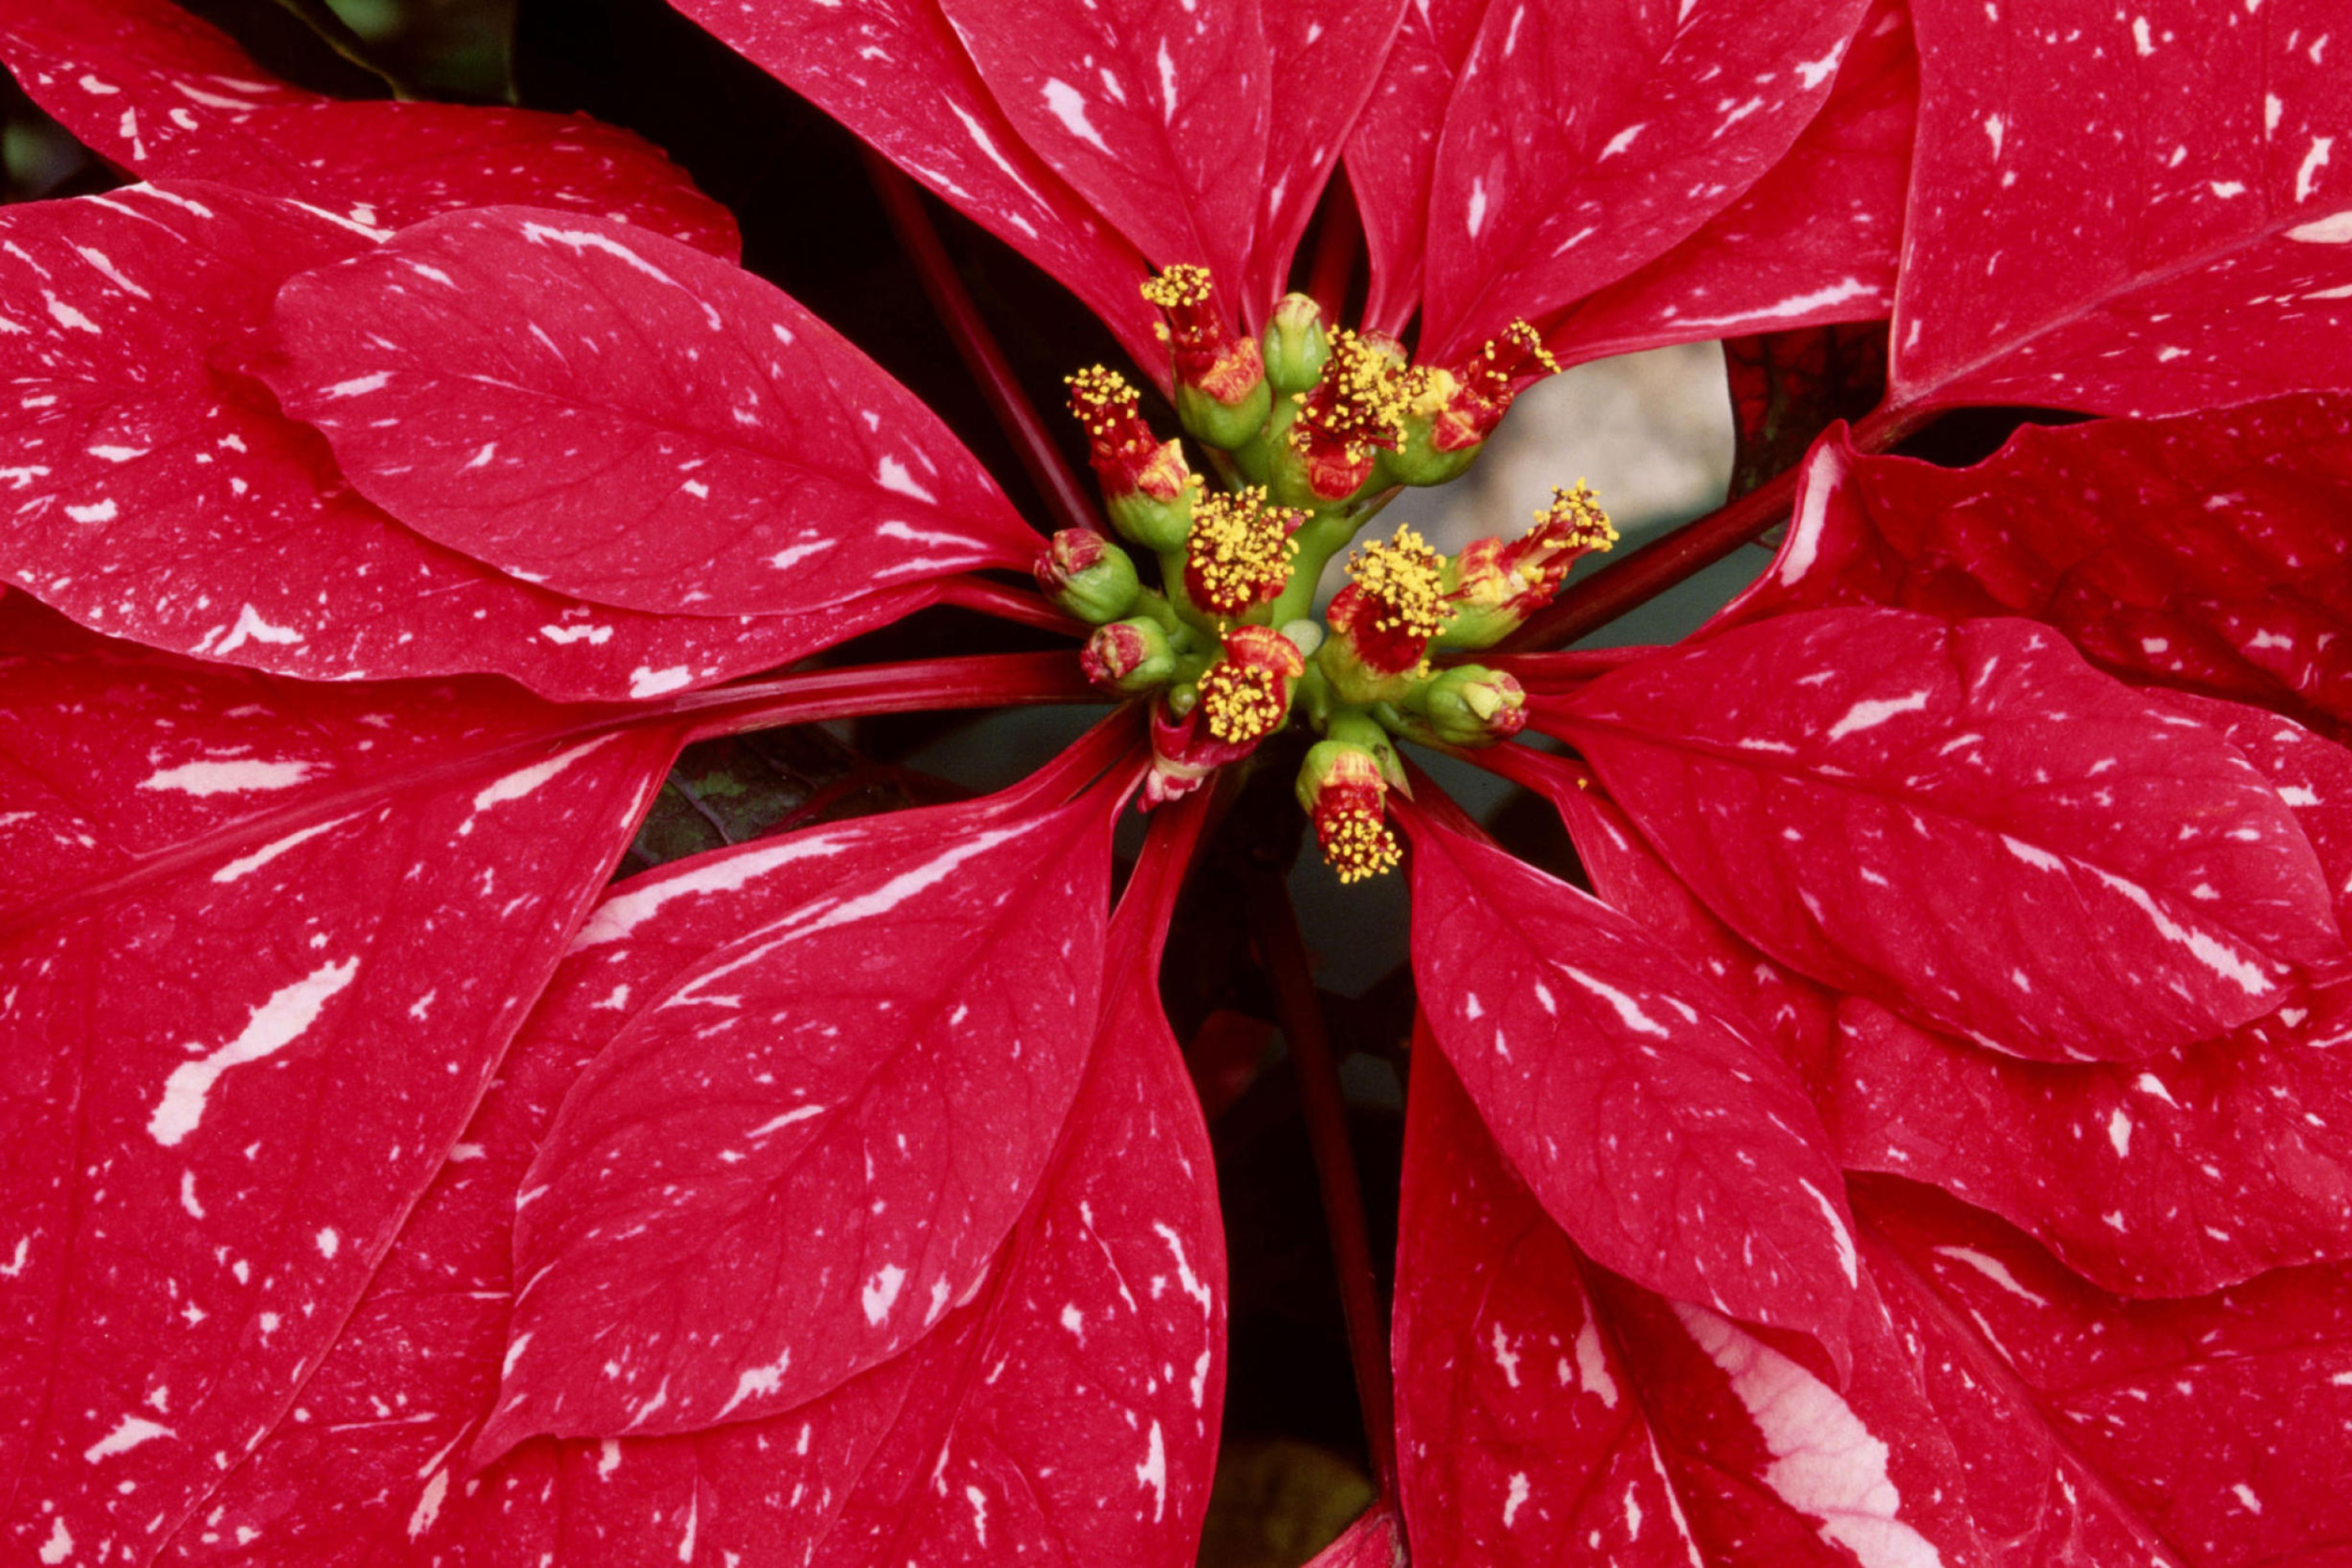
[1066, 496]
[1632, 581]
[1089, 760]
[923, 685]
[1528, 768]
[1008, 604]
[1429, 804]
[1561, 672]
[1335, 246]
[1275, 925]
[1161, 868]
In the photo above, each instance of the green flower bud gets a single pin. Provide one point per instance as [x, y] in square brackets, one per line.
[1468, 705]
[1213, 420]
[1087, 575]
[1296, 346]
[1130, 658]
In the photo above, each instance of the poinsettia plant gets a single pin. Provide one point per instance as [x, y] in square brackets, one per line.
[1920, 1134]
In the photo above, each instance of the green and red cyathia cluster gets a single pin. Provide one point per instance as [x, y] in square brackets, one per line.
[1304, 435]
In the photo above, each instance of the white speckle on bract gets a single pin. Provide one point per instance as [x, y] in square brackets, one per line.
[865, 906]
[646, 682]
[2308, 177]
[1592, 1364]
[978, 1500]
[798, 1113]
[1622, 141]
[95, 513]
[1871, 713]
[795, 554]
[2040, 859]
[1812, 73]
[1828, 294]
[1514, 1498]
[66, 316]
[358, 386]
[1167, 84]
[756, 1381]
[592, 636]
[1994, 1270]
[1838, 1233]
[60, 1543]
[128, 1434]
[188, 1195]
[428, 1504]
[1805, 535]
[246, 865]
[583, 241]
[1825, 1462]
[2336, 228]
[2119, 1132]
[526, 780]
[277, 1023]
[620, 915]
[329, 1242]
[2212, 953]
[2148, 1083]
[1505, 1357]
[2245, 1494]
[897, 530]
[881, 1293]
[1069, 105]
[1190, 1282]
[1475, 219]
[251, 627]
[1629, 1012]
[1153, 1473]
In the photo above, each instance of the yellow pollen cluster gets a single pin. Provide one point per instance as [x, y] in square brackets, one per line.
[1574, 520]
[1522, 336]
[1240, 552]
[1427, 389]
[1102, 400]
[1177, 287]
[1244, 703]
[1405, 578]
[1361, 400]
[1356, 842]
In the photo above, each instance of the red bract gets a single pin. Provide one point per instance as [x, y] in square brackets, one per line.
[165, 498]
[2216, 1430]
[1662, 1137]
[1676, 120]
[2029, 853]
[2207, 274]
[390, 1192]
[2204, 551]
[156, 91]
[1814, 240]
[1547, 1409]
[243, 1044]
[621, 417]
[896, 74]
[880, 973]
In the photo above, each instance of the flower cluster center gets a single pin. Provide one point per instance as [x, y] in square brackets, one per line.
[1301, 434]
